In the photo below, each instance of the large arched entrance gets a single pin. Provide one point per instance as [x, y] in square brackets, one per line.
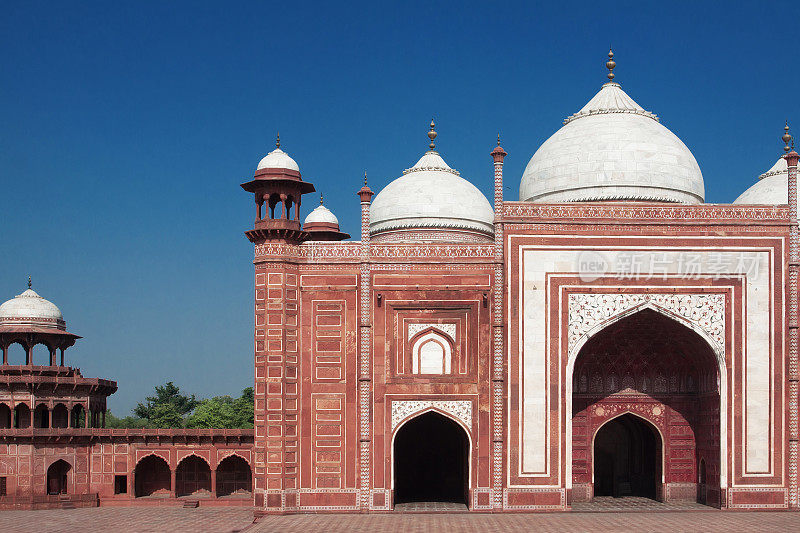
[152, 477]
[57, 476]
[666, 376]
[627, 458]
[431, 460]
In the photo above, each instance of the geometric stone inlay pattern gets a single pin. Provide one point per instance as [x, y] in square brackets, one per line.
[705, 311]
[447, 329]
[461, 409]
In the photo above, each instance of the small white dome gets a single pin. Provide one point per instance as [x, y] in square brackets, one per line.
[29, 308]
[278, 159]
[612, 149]
[431, 195]
[772, 187]
[321, 215]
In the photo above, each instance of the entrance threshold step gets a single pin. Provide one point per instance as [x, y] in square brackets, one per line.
[431, 507]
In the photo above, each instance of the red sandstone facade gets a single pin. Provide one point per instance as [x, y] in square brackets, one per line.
[662, 355]
[517, 367]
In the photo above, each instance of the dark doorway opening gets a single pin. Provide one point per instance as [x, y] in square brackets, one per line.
[431, 461]
[627, 458]
[57, 477]
[192, 475]
[152, 477]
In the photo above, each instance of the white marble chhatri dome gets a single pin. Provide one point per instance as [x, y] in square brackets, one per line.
[278, 159]
[321, 215]
[772, 187]
[612, 149]
[30, 309]
[431, 195]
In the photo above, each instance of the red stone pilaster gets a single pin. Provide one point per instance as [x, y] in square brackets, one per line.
[498, 374]
[276, 385]
[792, 302]
[365, 355]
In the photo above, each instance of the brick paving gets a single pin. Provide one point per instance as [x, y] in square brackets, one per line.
[228, 520]
[572, 522]
[127, 520]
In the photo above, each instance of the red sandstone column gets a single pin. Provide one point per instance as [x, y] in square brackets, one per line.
[365, 353]
[5, 355]
[498, 375]
[172, 482]
[794, 264]
[214, 483]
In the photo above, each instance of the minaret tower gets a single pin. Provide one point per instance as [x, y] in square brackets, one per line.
[278, 190]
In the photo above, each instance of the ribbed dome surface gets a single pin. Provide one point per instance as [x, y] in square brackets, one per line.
[431, 195]
[29, 308]
[612, 149]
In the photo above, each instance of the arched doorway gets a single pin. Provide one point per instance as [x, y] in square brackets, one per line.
[57, 477]
[5, 416]
[60, 416]
[234, 477]
[41, 417]
[627, 458]
[22, 416]
[431, 460]
[192, 475]
[152, 477]
[652, 364]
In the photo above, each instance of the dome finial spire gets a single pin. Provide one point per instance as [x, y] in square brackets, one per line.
[278, 140]
[498, 138]
[320, 198]
[610, 64]
[29, 282]
[786, 138]
[432, 136]
[365, 178]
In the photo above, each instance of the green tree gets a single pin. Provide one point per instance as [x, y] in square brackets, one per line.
[121, 423]
[167, 408]
[224, 412]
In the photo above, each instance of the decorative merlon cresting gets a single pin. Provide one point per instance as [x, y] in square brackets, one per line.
[704, 311]
[459, 409]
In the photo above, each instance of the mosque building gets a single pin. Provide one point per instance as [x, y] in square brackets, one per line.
[607, 334]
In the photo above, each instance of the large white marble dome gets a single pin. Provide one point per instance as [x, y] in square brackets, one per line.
[431, 195]
[30, 309]
[612, 149]
[772, 187]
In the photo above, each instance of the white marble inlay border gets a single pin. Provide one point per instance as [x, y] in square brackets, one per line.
[460, 409]
[447, 329]
[705, 311]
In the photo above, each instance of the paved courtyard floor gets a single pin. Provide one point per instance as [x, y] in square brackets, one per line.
[221, 520]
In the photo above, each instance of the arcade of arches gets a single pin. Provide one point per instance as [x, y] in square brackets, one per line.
[431, 460]
[43, 417]
[192, 477]
[646, 413]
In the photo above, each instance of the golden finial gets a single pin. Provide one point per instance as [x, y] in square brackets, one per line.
[498, 138]
[320, 198]
[29, 282]
[365, 178]
[787, 138]
[432, 136]
[278, 141]
[610, 64]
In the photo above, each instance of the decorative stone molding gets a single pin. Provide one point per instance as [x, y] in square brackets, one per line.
[705, 311]
[460, 409]
[447, 329]
[647, 213]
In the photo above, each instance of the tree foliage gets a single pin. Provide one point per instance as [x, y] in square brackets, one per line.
[171, 408]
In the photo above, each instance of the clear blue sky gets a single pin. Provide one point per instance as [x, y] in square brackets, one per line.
[127, 127]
